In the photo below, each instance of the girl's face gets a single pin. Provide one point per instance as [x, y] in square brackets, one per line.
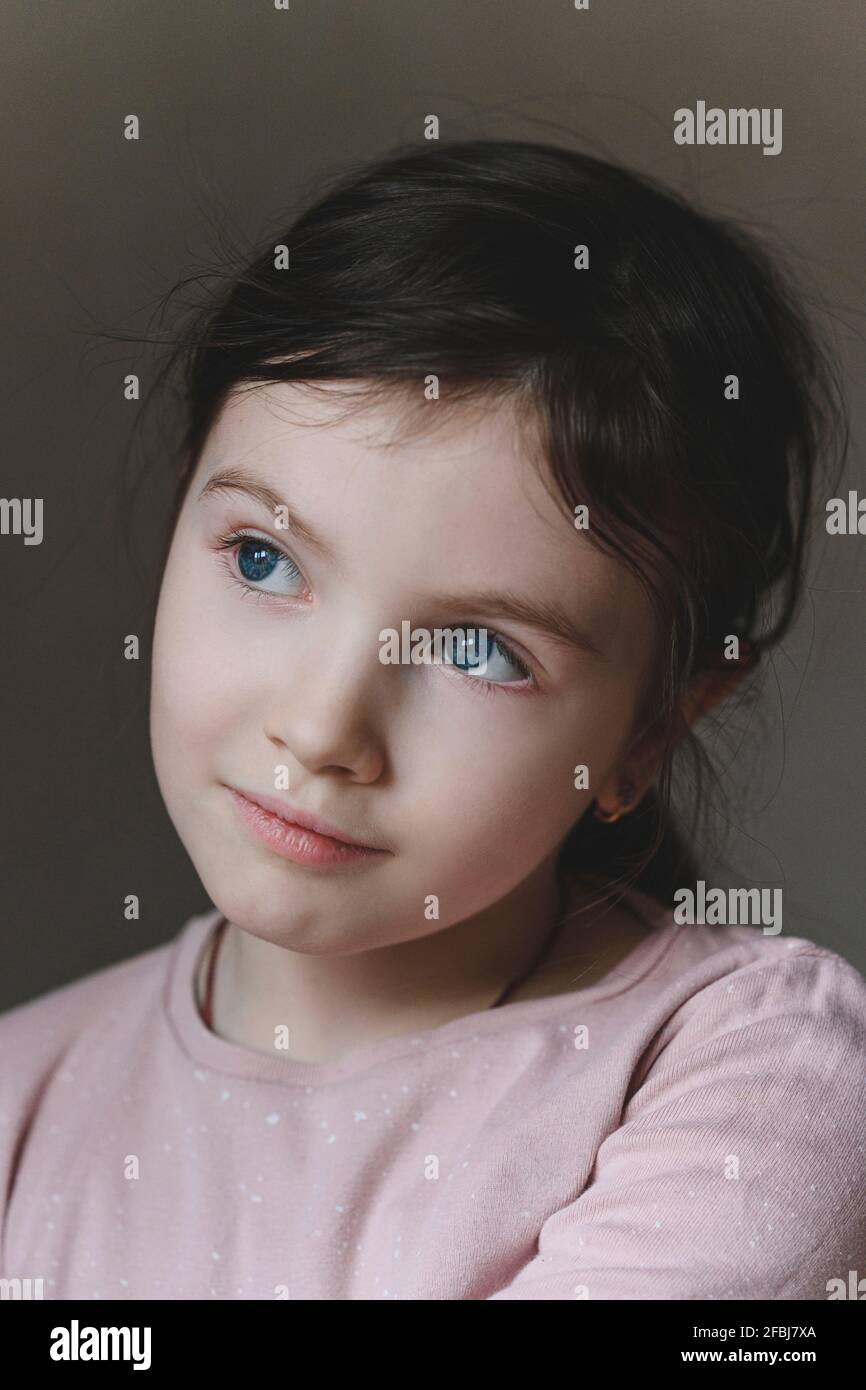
[267, 656]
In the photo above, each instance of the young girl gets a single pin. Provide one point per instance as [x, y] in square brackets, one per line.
[443, 1035]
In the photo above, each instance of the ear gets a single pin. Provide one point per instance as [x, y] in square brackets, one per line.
[706, 689]
[716, 683]
[626, 786]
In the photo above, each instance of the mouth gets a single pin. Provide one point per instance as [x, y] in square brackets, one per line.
[299, 835]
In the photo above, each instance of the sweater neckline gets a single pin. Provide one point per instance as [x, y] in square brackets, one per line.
[218, 1054]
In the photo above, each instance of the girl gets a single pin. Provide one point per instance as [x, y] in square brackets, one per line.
[441, 1035]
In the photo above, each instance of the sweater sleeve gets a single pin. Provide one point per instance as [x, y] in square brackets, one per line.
[737, 1168]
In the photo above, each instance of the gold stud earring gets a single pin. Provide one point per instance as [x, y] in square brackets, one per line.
[627, 793]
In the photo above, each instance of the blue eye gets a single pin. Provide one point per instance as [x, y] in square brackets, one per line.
[487, 659]
[259, 560]
[477, 652]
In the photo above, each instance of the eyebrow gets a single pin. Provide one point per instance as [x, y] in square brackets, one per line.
[543, 617]
[237, 480]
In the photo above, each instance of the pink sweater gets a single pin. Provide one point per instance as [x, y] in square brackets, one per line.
[693, 1126]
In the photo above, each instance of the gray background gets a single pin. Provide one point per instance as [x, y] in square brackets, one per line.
[244, 109]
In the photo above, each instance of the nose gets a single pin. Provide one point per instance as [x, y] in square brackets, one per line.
[329, 711]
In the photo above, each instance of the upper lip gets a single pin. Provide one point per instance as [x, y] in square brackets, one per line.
[295, 816]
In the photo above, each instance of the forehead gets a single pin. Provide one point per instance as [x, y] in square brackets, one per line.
[284, 419]
[436, 460]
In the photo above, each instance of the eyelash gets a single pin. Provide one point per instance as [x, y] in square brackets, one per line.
[226, 544]
[229, 542]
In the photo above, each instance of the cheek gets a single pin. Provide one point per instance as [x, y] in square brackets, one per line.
[191, 681]
[501, 777]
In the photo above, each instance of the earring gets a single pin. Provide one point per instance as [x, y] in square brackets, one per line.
[627, 793]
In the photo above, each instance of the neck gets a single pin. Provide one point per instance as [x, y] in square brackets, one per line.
[333, 1003]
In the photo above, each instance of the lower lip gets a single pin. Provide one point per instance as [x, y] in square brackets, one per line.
[295, 842]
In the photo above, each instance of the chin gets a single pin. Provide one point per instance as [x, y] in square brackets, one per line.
[276, 918]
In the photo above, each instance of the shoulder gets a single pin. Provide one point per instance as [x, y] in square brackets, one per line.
[781, 1025]
[755, 1086]
[45, 1024]
[728, 975]
[736, 1164]
[78, 1021]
